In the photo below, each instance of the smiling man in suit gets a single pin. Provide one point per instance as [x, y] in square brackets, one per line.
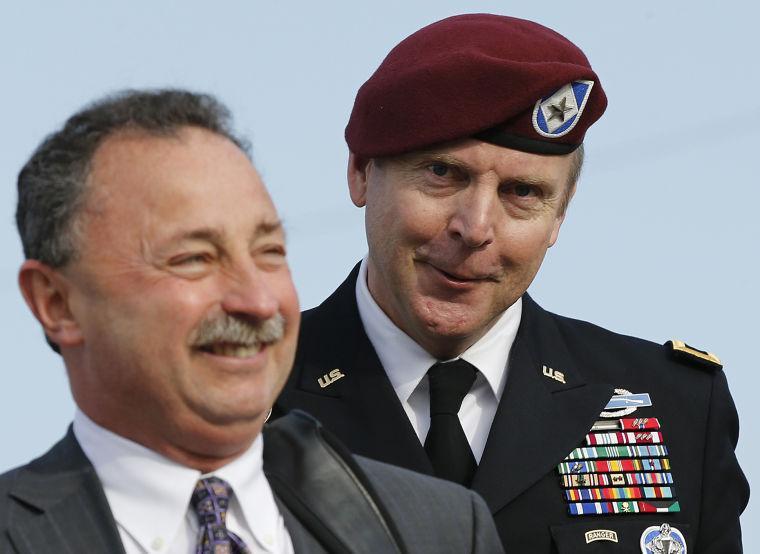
[156, 266]
[465, 148]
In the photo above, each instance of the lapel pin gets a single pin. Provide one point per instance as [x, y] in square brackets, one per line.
[554, 374]
[329, 378]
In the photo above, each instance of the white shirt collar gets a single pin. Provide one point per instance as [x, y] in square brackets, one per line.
[406, 362]
[149, 494]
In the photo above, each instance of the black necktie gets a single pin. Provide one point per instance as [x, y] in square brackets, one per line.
[446, 444]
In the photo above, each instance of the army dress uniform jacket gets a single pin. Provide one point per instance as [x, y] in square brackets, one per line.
[562, 374]
[331, 502]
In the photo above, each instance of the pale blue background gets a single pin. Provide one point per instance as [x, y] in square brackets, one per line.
[660, 241]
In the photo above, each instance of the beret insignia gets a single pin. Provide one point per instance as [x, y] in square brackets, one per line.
[556, 115]
[682, 351]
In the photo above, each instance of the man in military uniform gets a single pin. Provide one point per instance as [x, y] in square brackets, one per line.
[465, 147]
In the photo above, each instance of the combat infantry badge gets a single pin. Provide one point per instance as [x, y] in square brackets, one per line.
[662, 539]
[624, 403]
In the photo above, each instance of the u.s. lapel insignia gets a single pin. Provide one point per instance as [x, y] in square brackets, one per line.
[600, 535]
[624, 403]
[329, 378]
[554, 374]
[662, 539]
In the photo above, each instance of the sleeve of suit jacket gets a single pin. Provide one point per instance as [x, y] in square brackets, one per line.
[433, 516]
[725, 491]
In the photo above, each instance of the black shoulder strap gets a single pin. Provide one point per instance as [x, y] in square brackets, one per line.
[321, 483]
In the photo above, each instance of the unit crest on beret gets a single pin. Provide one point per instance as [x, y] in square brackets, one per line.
[682, 351]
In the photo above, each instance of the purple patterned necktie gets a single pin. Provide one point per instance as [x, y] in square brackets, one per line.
[210, 500]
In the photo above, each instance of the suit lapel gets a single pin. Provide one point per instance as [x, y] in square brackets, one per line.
[74, 515]
[361, 407]
[539, 419]
[300, 538]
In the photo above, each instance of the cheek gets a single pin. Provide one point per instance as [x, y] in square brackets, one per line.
[165, 314]
[405, 220]
[527, 243]
[288, 300]
[281, 286]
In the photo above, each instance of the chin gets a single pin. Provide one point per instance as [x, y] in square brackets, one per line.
[234, 418]
[243, 406]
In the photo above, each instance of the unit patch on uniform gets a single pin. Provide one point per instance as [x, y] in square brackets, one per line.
[556, 115]
[662, 539]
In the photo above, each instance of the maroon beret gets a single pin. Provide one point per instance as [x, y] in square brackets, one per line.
[503, 80]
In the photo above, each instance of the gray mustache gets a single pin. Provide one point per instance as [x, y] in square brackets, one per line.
[231, 329]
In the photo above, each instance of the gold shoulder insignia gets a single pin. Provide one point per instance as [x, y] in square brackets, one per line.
[683, 351]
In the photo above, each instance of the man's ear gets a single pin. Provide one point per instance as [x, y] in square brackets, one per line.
[46, 292]
[357, 179]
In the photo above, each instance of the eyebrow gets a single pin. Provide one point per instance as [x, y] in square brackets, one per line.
[212, 235]
[528, 180]
[434, 156]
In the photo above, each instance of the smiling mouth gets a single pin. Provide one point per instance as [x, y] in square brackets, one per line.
[454, 278]
[232, 350]
[460, 279]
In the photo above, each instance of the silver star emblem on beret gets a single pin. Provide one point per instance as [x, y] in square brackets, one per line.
[559, 110]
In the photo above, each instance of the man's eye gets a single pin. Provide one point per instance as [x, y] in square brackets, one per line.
[438, 169]
[524, 190]
[190, 259]
[275, 252]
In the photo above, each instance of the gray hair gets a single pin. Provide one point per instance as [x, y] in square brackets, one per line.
[575, 174]
[51, 185]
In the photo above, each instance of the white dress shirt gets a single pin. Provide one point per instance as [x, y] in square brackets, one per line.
[406, 363]
[149, 495]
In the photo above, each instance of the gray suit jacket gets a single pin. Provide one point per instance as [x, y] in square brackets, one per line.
[56, 505]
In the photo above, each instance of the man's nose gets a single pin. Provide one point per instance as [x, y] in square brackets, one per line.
[249, 292]
[474, 218]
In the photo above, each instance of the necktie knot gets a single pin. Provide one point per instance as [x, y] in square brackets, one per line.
[449, 383]
[210, 501]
